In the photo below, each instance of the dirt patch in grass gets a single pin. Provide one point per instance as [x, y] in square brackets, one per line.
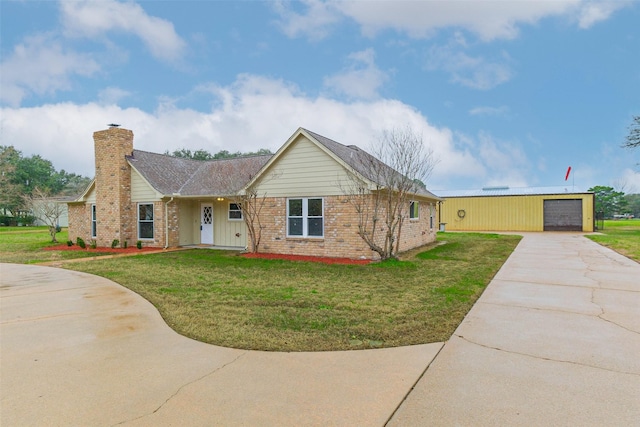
[304, 258]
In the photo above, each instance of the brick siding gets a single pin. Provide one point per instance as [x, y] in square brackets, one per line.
[341, 237]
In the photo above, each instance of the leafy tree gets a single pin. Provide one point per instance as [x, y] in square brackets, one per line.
[633, 201]
[609, 201]
[633, 138]
[21, 175]
[10, 192]
[73, 184]
[185, 153]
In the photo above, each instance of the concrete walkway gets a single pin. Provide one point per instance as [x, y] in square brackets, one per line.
[554, 340]
[80, 350]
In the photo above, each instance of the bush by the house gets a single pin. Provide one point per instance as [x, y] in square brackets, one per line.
[80, 242]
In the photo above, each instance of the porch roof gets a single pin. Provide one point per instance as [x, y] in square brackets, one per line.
[174, 175]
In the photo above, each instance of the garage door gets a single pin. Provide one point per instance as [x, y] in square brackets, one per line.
[563, 215]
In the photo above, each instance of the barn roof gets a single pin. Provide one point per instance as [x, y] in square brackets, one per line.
[510, 191]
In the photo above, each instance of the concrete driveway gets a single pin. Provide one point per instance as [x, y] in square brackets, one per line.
[554, 340]
[80, 350]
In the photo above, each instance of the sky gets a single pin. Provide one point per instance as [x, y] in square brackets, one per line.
[505, 93]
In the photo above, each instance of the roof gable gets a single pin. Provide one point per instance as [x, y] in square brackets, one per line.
[82, 197]
[355, 160]
[338, 152]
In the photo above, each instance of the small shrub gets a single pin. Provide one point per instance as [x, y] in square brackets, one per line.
[124, 245]
[115, 243]
[69, 243]
[139, 244]
[93, 244]
[80, 242]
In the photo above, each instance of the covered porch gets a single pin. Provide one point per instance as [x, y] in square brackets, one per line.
[210, 222]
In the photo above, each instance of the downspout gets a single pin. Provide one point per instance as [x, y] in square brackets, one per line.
[166, 223]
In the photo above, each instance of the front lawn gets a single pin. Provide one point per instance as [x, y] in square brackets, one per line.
[225, 299]
[622, 236]
[24, 245]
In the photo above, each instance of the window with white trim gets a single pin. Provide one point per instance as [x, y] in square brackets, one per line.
[305, 217]
[145, 221]
[414, 210]
[94, 222]
[235, 211]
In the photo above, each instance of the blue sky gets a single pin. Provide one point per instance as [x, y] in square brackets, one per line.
[504, 92]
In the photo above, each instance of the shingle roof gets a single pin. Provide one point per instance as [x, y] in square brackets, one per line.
[170, 175]
[360, 160]
[508, 191]
[175, 175]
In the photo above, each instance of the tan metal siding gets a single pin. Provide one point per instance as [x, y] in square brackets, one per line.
[140, 190]
[303, 170]
[506, 213]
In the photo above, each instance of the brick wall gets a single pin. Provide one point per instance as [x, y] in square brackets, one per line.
[115, 217]
[80, 222]
[418, 232]
[116, 214]
[341, 237]
[159, 224]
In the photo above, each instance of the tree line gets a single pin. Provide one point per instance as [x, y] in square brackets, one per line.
[222, 154]
[23, 176]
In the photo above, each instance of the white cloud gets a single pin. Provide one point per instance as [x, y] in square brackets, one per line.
[593, 12]
[506, 161]
[361, 79]
[628, 181]
[501, 111]
[40, 65]
[95, 18]
[112, 95]
[475, 72]
[315, 23]
[488, 20]
[252, 113]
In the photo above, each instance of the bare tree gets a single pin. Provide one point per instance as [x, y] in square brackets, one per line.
[235, 174]
[633, 138]
[386, 183]
[251, 204]
[46, 208]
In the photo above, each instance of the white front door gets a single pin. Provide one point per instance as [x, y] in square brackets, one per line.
[206, 224]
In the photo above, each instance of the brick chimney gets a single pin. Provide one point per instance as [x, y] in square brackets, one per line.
[115, 216]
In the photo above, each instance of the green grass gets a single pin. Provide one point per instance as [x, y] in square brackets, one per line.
[222, 298]
[623, 236]
[24, 245]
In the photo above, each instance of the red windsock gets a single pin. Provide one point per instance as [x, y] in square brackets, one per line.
[568, 172]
